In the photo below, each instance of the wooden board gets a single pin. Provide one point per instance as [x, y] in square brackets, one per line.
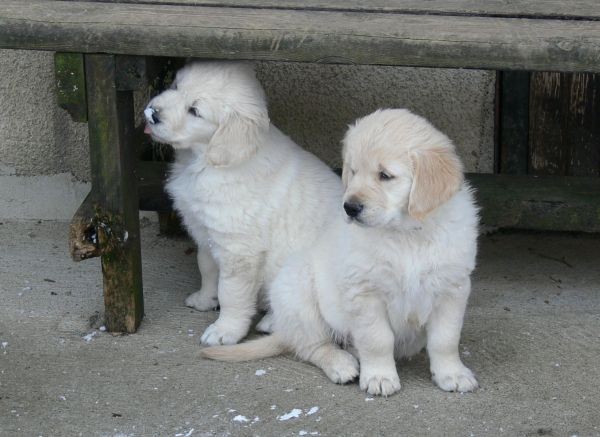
[564, 129]
[506, 201]
[563, 9]
[294, 35]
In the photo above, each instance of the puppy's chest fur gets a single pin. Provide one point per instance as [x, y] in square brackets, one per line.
[408, 274]
[214, 204]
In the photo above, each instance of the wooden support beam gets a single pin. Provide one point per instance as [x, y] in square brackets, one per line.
[114, 184]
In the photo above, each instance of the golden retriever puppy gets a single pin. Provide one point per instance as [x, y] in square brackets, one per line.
[391, 274]
[248, 195]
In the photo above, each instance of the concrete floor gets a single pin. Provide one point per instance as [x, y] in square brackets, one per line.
[532, 334]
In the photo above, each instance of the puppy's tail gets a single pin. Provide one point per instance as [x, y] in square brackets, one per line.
[263, 347]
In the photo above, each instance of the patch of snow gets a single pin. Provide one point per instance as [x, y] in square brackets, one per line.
[4, 344]
[240, 418]
[294, 414]
[273, 407]
[369, 399]
[87, 338]
[256, 419]
[102, 328]
[302, 432]
[26, 289]
[312, 411]
[260, 372]
[62, 398]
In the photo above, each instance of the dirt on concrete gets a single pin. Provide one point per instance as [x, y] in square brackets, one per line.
[532, 335]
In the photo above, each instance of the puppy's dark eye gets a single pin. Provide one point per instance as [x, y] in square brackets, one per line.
[194, 111]
[383, 176]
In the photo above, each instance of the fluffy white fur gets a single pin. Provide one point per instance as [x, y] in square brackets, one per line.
[248, 195]
[391, 280]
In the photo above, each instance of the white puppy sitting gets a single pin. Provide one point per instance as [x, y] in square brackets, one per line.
[248, 195]
[390, 276]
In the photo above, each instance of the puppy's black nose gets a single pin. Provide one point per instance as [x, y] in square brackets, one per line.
[155, 118]
[353, 209]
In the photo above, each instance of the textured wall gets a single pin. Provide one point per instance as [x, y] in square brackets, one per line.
[315, 103]
[311, 103]
[38, 138]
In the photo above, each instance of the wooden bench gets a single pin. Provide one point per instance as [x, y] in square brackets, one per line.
[103, 55]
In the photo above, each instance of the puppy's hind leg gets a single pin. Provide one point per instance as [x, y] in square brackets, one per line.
[298, 321]
[206, 298]
[339, 365]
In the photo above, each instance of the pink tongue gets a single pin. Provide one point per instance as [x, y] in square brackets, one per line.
[147, 129]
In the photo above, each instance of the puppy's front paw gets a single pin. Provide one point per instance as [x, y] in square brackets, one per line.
[460, 379]
[202, 301]
[216, 334]
[342, 367]
[384, 383]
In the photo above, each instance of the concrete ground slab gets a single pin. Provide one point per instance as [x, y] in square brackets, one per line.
[532, 335]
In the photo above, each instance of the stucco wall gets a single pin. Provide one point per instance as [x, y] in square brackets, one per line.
[311, 103]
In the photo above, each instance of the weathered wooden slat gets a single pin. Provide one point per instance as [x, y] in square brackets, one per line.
[552, 203]
[69, 75]
[508, 201]
[514, 122]
[112, 156]
[515, 8]
[584, 125]
[291, 35]
[564, 130]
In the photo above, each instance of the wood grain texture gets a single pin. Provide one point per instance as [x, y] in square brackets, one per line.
[513, 8]
[292, 35]
[564, 130]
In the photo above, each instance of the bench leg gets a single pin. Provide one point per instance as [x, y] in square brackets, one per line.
[114, 190]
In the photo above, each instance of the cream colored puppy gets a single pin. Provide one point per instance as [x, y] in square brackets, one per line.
[391, 275]
[248, 195]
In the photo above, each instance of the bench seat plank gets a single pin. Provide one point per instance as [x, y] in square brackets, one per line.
[295, 35]
[561, 9]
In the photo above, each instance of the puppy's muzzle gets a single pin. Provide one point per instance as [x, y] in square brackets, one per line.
[151, 115]
[353, 208]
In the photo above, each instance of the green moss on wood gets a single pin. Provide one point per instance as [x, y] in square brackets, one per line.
[70, 84]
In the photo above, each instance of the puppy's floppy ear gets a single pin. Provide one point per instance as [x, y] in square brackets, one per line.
[437, 177]
[238, 137]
